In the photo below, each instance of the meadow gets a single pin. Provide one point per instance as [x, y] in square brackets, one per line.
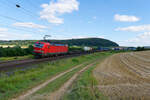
[21, 81]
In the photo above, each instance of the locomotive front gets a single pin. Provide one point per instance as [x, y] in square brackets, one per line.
[39, 49]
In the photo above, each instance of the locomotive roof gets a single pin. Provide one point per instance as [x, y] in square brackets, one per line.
[52, 43]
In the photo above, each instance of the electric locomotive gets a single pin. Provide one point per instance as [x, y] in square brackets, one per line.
[45, 49]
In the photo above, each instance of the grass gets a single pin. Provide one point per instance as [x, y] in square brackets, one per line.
[21, 81]
[15, 58]
[84, 88]
[56, 84]
[43, 94]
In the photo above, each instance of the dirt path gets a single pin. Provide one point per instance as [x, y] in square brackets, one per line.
[123, 77]
[33, 90]
[61, 91]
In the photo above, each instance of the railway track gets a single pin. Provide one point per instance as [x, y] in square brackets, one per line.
[9, 65]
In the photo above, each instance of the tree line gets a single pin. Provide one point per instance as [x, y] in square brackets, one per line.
[71, 42]
[99, 42]
[15, 51]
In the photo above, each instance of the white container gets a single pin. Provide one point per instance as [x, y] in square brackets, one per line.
[87, 48]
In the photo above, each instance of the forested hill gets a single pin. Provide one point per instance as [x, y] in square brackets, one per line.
[70, 42]
[88, 42]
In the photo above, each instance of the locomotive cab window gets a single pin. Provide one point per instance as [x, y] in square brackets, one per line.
[38, 45]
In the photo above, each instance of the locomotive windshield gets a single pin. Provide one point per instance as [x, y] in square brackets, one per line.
[39, 45]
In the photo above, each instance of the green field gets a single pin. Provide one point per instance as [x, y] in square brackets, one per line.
[15, 58]
[79, 90]
[85, 86]
[23, 80]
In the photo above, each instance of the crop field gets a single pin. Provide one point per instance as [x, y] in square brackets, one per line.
[5, 46]
[125, 76]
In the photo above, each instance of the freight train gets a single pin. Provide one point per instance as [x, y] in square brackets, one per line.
[48, 49]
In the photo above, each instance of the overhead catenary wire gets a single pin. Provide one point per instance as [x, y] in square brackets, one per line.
[16, 20]
[3, 2]
[22, 9]
[14, 28]
[10, 18]
[11, 4]
[30, 2]
[17, 5]
[31, 13]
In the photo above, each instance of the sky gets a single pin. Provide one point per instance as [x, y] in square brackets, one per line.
[123, 21]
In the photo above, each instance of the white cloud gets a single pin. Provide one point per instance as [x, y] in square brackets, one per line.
[135, 28]
[145, 37]
[140, 40]
[126, 18]
[6, 35]
[14, 36]
[60, 37]
[80, 37]
[94, 17]
[52, 10]
[3, 29]
[29, 25]
[90, 22]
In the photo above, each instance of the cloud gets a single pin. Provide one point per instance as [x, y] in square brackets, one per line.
[52, 10]
[60, 37]
[6, 35]
[29, 25]
[126, 18]
[80, 37]
[3, 29]
[140, 40]
[135, 28]
[14, 36]
[94, 17]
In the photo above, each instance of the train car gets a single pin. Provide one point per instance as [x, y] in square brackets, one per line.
[87, 48]
[44, 49]
[103, 48]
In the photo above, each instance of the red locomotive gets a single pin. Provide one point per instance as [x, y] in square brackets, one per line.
[43, 49]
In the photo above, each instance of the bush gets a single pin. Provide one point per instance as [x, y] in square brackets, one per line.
[15, 51]
[140, 49]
